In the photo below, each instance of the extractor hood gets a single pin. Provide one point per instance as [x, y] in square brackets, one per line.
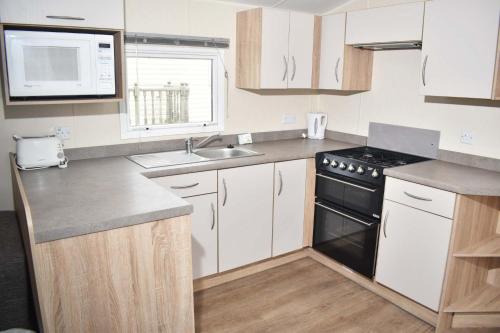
[406, 45]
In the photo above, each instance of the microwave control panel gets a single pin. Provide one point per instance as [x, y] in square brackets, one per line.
[105, 62]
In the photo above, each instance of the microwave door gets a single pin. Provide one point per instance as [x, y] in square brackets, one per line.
[50, 64]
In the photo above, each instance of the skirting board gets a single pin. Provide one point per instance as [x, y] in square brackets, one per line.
[404, 303]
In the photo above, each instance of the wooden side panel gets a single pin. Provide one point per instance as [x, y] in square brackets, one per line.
[309, 204]
[496, 78]
[476, 219]
[130, 279]
[316, 53]
[358, 66]
[248, 48]
[476, 320]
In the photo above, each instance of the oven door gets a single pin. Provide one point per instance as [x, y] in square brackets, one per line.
[361, 198]
[346, 237]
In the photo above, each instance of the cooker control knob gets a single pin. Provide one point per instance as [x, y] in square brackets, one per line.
[334, 164]
[360, 170]
[351, 168]
[326, 161]
[375, 173]
[342, 165]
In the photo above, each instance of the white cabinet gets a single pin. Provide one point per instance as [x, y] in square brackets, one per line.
[90, 13]
[342, 67]
[274, 49]
[204, 234]
[412, 252]
[289, 199]
[300, 50]
[387, 24]
[274, 52]
[332, 51]
[245, 203]
[459, 50]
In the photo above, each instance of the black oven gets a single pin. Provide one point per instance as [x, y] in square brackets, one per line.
[360, 197]
[349, 238]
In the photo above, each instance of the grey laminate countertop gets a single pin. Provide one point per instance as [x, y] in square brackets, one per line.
[450, 177]
[107, 193]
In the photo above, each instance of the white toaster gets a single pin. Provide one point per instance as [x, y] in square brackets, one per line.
[39, 152]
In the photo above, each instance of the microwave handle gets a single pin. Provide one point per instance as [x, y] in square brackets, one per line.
[62, 17]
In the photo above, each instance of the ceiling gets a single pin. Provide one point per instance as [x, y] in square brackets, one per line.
[309, 6]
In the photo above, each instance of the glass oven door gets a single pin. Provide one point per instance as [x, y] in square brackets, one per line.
[361, 198]
[345, 237]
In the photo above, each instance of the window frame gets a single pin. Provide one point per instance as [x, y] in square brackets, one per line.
[218, 91]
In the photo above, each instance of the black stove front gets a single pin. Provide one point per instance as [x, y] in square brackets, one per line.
[349, 198]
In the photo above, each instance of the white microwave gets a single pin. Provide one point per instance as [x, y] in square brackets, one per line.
[41, 63]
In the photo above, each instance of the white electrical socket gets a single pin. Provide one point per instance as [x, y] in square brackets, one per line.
[466, 137]
[62, 133]
[289, 119]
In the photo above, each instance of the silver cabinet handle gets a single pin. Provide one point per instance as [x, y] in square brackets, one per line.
[62, 17]
[386, 219]
[294, 68]
[344, 215]
[281, 183]
[213, 215]
[285, 63]
[225, 192]
[347, 183]
[417, 197]
[180, 187]
[424, 67]
[337, 70]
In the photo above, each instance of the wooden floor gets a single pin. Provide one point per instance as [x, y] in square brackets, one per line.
[302, 296]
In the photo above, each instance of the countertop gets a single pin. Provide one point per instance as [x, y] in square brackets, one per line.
[106, 193]
[450, 177]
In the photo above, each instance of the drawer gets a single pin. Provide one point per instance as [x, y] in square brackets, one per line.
[190, 184]
[422, 197]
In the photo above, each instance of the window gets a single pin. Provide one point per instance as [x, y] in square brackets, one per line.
[172, 90]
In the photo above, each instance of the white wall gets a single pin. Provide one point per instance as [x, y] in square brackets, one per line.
[395, 99]
[99, 124]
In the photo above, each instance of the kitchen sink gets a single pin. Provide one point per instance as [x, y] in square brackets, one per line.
[223, 153]
[171, 158]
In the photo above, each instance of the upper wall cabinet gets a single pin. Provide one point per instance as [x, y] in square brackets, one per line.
[391, 24]
[460, 52]
[342, 67]
[274, 49]
[107, 14]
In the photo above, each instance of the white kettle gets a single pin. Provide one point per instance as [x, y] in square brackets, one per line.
[316, 125]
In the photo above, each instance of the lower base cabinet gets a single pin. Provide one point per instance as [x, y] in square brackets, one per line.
[204, 234]
[413, 247]
[245, 203]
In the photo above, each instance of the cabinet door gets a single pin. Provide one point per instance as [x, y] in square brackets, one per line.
[459, 48]
[204, 234]
[332, 51]
[274, 53]
[300, 50]
[245, 215]
[412, 252]
[89, 13]
[289, 198]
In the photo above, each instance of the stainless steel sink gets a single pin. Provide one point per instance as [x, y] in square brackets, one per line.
[172, 158]
[223, 153]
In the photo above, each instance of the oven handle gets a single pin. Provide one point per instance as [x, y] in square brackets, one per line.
[347, 183]
[344, 215]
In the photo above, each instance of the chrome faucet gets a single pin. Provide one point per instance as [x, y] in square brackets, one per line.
[189, 142]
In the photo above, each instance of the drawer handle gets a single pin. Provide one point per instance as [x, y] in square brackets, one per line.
[213, 216]
[347, 183]
[62, 17]
[184, 186]
[417, 197]
[344, 215]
